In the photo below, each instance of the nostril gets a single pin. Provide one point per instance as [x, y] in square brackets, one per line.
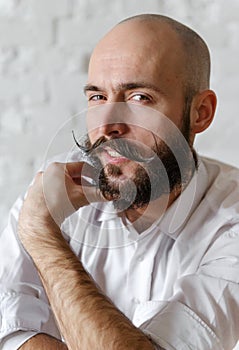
[114, 129]
[114, 132]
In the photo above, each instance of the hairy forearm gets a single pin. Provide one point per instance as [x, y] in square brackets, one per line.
[43, 342]
[86, 318]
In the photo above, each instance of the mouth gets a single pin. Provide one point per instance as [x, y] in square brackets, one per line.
[121, 150]
[113, 157]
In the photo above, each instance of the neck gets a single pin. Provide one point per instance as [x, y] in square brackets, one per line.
[142, 218]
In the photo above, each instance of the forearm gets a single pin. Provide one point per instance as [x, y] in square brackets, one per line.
[43, 342]
[85, 316]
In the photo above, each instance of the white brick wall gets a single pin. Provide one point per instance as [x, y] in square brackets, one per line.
[44, 49]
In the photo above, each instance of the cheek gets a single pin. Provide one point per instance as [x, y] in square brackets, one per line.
[94, 129]
[143, 137]
[91, 129]
[92, 134]
[94, 120]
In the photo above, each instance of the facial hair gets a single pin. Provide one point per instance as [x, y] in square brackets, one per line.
[151, 179]
[154, 175]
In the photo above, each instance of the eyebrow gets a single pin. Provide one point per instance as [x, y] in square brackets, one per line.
[124, 86]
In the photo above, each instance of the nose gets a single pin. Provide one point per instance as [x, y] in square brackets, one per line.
[113, 130]
[109, 120]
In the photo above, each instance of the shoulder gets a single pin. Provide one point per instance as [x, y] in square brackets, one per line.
[215, 166]
[221, 175]
[223, 187]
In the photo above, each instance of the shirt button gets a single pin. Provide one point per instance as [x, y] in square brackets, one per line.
[136, 300]
[141, 258]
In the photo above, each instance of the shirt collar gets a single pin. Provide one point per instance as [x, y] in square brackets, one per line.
[180, 211]
[105, 211]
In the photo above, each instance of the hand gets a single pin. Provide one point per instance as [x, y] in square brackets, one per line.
[65, 189]
[54, 195]
[84, 315]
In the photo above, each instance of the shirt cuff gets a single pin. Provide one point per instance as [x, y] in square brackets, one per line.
[27, 313]
[172, 325]
[15, 340]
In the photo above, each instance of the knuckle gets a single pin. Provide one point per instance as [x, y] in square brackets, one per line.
[38, 177]
[54, 167]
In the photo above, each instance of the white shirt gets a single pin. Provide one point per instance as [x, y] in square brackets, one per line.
[178, 281]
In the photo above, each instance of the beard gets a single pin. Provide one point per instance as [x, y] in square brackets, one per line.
[157, 171]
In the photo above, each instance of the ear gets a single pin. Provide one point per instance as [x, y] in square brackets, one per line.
[203, 110]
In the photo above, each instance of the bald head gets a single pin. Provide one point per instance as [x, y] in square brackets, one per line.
[154, 61]
[192, 54]
[196, 56]
[154, 52]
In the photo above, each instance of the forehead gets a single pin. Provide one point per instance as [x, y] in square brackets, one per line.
[134, 48]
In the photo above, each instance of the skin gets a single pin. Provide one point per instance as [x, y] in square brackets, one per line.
[119, 71]
[118, 63]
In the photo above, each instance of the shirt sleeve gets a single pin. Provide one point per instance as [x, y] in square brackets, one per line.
[176, 326]
[203, 312]
[23, 302]
[15, 340]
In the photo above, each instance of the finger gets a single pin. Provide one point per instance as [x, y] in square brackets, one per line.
[78, 169]
[92, 194]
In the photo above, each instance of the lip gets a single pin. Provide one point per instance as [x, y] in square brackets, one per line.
[113, 157]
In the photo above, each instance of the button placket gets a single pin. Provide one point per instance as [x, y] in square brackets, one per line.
[139, 276]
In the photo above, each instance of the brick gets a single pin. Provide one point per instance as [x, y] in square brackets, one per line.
[91, 9]
[79, 31]
[28, 86]
[7, 56]
[20, 32]
[15, 61]
[131, 8]
[63, 60]
[46, 8]
[11, 122]
[228, 12]
[210, 32]
[69, 90]
[31, 9]
[7, 8]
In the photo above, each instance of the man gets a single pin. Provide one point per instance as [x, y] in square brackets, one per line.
[159, 270]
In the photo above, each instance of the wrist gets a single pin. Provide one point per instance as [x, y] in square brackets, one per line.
[35, 232]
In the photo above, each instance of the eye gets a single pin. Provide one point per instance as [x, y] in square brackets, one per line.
[140, 97]
[96, 97]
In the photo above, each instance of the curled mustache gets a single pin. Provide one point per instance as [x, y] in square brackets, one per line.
[132, 150]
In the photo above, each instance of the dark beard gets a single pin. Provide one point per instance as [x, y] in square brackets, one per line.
[158, 171]
[132, 194]
[151, 180]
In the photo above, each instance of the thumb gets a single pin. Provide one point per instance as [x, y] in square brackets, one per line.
[91, 194]
[79, 171]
